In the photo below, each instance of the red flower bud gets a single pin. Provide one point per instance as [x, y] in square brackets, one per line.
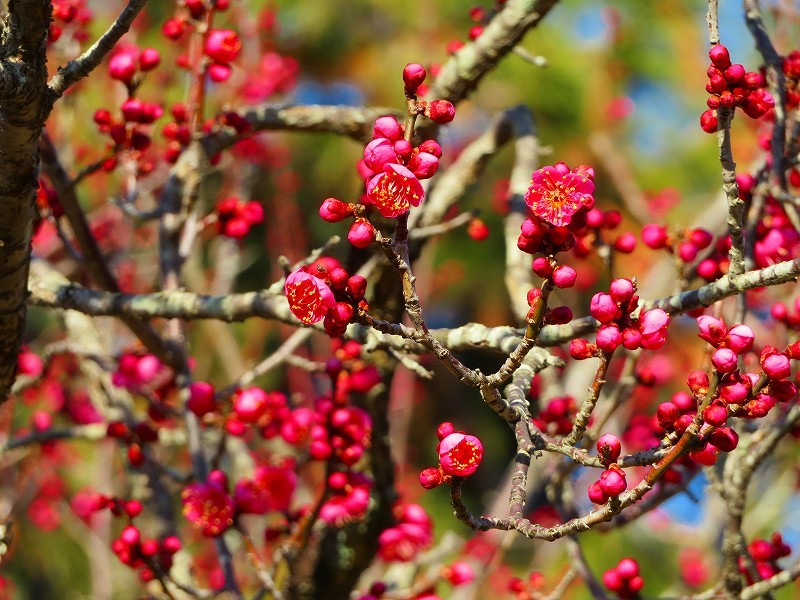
[444, 430]
[708, 121]
[724, 438]
[430, 478]
[735, 74]
[149, 59]
[413, 76]
[361, 233]
[666, 414]
[356, 287]
[201, 398]
[333, 210]
[612, 482]
[559, 315]
[715, 415]
[724, 360]
[580, 349]
[477, 230]
[564, 277]
[122, 66]
[719, 56]
[440, 111]
[223, 45]
[596, 494]
[609, 448]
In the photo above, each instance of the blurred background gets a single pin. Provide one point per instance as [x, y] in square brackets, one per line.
[622, 92]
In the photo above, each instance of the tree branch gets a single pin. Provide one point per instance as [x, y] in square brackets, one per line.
[77, 69]
[465, 69]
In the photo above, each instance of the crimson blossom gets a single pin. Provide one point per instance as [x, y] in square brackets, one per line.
[394, 191]
[460, 454]
[309, 297]
[557, 193]
[209, 507]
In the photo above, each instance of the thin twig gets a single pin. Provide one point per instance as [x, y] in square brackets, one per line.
[79, 68]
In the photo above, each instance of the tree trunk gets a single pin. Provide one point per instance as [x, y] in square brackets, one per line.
[23, 110]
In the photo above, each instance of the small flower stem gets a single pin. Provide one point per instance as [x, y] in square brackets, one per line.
[200, 63]
[411, 118]
[713, 22]
[266, 579]
[582, 418]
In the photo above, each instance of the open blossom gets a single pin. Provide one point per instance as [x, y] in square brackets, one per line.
[557, 193]
[271, 488]
[460, 454]
[394, 191]
[309, 297]
[208, 506]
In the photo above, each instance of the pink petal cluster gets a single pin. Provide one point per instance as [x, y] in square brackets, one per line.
[270, 489]
[348, 500]
[309, 297]
[208, 506]
[557, 193]
[412, 533]
[460, 454]
[393, 168]
[624, 579]
[611, 484]
[617, 326]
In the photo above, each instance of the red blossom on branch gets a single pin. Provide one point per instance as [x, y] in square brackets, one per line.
[557, 193]
[208, 506]
[460, 454]
[309, 297]
[394, 191]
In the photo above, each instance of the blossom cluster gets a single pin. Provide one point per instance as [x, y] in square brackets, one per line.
[729, 86]
[235, 217]
[791, 69]
[617, 325]
[612, 480]
[331, 294]
[765, 555]
[557, 416]
[624, 579]
[559, 199]
[150, 556]
[598, 222]
[71, 16]
[411, 534]
[392, 167]
[460, 454]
